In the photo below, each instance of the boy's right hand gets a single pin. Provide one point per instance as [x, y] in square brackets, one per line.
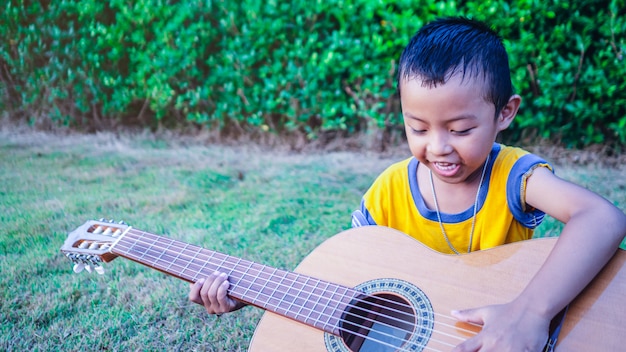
[211, 292]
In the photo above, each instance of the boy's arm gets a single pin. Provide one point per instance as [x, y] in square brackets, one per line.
[593, 230]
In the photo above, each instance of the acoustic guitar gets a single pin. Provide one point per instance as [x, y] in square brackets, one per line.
[371, 289]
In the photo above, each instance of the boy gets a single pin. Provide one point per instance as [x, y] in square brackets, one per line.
[462, 192]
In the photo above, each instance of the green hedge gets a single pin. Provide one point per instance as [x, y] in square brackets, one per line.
[300, 66]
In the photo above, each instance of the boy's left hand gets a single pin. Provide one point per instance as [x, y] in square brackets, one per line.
[505, 328]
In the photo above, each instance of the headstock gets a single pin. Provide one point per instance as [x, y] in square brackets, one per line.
[88, 246]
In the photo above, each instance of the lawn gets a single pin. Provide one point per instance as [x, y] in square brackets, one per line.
[269, 205]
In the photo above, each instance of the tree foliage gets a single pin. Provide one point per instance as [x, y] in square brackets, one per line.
[305, 67]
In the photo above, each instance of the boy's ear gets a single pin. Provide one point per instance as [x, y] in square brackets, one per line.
[508, 112]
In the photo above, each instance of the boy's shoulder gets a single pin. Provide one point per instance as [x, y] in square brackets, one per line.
[516, 158]
[509, 152]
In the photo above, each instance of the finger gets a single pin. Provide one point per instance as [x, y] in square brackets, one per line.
[472, 345]
[205, 293]
[213, 302]
[210, 292]
[223, 303]
[194, 291]
[226, 303]
[473, 316]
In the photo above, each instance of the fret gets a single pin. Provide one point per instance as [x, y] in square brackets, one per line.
[164, 252]
[192, 261]
[268, 280]
[135, 237]
[311, 292]
[294, 291]
[235, 265]
[177, 255]
[314, 309]
[232, 267]
[269, 288]
[333, 311]
[269, 283]
[261, 279]
[322, 307]
[273, 296]
[147, 246]
[150, 250]
[121, 242]
[204, 264]
[298, 293]
[220, 266]
[147, 249]
[144, 252]
[184, 260]
[243, 274]
[286, 293]
[161, 255]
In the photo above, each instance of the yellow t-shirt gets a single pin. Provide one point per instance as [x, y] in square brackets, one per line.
[394, 200]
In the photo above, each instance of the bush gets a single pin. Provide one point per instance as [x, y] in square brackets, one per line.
[304, 67]
[567, 62]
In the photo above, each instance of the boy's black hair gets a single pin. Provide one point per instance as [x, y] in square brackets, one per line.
[454, 45]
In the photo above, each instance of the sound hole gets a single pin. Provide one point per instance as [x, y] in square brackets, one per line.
[381, 323]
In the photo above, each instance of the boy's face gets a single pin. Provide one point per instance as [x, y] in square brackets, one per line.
[450, 128]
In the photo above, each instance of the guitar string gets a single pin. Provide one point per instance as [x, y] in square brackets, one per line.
[237, 263]
[226, 258]
[152, 246]
[252, 263]
[268, 305]
[165, 250]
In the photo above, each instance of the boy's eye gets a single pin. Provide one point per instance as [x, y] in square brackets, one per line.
[417, 131]
[462, 132]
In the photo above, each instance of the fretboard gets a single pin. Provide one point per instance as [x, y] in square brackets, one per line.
[305, 299]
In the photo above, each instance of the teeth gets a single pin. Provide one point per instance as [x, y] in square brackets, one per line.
[445, 166]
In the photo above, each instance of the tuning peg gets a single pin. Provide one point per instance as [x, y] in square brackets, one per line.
[97, 268]
[78, 267]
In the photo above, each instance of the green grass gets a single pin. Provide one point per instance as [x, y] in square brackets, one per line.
[270, 206]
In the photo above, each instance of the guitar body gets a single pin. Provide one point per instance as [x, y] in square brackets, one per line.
[595, 321]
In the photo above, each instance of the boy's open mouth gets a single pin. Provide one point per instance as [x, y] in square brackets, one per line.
[445, 169]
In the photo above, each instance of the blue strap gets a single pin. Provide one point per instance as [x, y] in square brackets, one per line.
[555, 329]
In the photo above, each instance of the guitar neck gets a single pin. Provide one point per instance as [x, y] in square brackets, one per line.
[302, 298]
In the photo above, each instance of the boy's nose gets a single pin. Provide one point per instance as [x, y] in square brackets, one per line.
[438, 144]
